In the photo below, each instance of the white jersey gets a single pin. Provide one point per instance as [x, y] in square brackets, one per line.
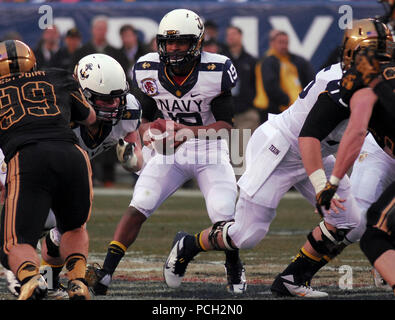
[111, 134]
[190, 103]
[290, 122]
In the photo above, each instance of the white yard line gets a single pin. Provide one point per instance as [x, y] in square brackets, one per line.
[178, 193]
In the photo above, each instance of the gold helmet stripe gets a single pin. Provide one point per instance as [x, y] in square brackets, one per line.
[12, 55]
[382, 36]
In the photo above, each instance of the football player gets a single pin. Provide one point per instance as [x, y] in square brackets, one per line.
[192, 89]
[368, 87]
[331, 114]
[118, 116]
[45, 169]
[275, 144]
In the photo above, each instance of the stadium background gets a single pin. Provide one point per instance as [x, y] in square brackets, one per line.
[312, 25]
[314, 33]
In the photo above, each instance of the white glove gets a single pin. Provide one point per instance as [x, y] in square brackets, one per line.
[126, 155]
[13, 284]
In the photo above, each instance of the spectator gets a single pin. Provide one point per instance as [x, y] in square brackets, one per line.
[98, 44]
[211, 46]
[72, 42]
[211, 32]
[12, 35]
[246, 116]
[131, 46]
[281, 76]
[47, 47]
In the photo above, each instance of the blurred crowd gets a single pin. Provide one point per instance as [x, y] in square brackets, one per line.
[267, 84]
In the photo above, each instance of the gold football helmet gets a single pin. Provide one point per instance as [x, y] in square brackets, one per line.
[365, 33]
[16, 56]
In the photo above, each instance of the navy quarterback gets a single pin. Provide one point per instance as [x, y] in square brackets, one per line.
[191, 91]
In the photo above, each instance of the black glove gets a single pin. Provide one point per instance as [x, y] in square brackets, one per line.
[325, 196]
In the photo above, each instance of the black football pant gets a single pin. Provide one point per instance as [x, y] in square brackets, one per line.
[44, 175]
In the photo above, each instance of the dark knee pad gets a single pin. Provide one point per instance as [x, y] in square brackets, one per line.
[331, 243]
[374, 243]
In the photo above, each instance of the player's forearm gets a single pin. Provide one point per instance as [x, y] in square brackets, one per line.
[310, 151]
[144, 126]
[349, 149]
[212, 130]
[361, 106]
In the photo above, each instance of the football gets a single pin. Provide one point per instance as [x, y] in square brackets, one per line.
[161, 134]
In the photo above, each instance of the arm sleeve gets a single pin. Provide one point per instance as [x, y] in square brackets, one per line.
[148, 104]
[323, 118]
[229, 76]
[222, 107]
[270, 69]
[80, 108]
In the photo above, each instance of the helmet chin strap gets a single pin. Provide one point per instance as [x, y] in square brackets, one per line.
[181, 70]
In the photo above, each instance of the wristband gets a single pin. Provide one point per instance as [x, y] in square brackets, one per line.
[318, 180]
[334, 180]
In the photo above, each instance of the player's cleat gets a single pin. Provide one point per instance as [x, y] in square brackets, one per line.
[378, 280]
[13, 284]
[284, 286]
[236, 277]
[77, 289]
[98, 280]
[34, 289]
[177, 261]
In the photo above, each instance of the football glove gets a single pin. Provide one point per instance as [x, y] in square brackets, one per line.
[325, 196]
[126, 155]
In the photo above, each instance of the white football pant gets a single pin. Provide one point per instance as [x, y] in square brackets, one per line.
[255, 213]
[372, 173]
[207, 162]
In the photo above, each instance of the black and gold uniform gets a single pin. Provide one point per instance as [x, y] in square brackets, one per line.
[46, 167]
[380, 232]
[382, 120]
[379, 236]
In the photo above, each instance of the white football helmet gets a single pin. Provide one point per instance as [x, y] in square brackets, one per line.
[101, 77]
[180, 24]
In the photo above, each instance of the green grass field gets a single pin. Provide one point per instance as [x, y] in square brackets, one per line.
[145, 258]
[139, 275]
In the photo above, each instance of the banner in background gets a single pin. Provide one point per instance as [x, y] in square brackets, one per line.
[314, 28]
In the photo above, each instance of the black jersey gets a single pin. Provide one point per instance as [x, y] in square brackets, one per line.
[37, 106]
[382, 120]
